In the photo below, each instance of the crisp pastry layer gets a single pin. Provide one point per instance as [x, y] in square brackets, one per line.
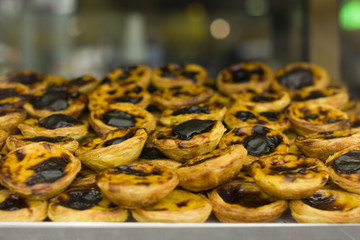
[300, 76]
[38, 170]
[12, 95]
[244, 116]
[14, 208]
[136, 74]
[310, 118]
[344, 168]
[156, 157]
[203, 111]
[113, 149]
[85, 204]
[289, 176]
[10, 119]
[177, 206]
[15, 141]
[327, 206]
[239, 201]
[121, 116]
[32, 80]
[323, 144]
[55, 125]
[259, 141]
[3, 136]
[137, 184]
[109, 93]
[189, 139]
[182, 96]
[267, 100]
[210, 170]
[55, 100]
[239, 76]
[174, 74]
[84, 178]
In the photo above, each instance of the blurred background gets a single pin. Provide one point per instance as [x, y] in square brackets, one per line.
[76, 37]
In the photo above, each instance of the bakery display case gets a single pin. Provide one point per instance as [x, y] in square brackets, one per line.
[208, 86]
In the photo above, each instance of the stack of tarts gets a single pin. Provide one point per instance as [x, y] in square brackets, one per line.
[169, 145]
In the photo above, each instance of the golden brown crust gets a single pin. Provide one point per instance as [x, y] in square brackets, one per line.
[239, 201]
[167, 141]
[10, 119]
[178, 206]
[38, 170]
[310, 118]
[259, 141]
[240, 76]
[85, 204]
[137, 184]
[138, 74]
[115, 148]
[210, 170]
[134, 117]
[327, 206]
[16, 208]
[182, 96]
[173, 74]
[3, 136]
[289, 176]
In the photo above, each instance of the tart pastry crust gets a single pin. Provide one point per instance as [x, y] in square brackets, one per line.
[327, 206]
[210, 170]
[239, 201]
[137, 184]
[289, 176]
[10, 119]
[189, 139]
[178, 206]
[240, 76]
[115, 148]
[38, 170]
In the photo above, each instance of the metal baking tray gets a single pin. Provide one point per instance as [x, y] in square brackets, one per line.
[284, 229]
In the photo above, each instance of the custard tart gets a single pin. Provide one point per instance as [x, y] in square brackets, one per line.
[174, 74]
[38, 170]
[11, 118]
[85, 204]
[54, 125]
[310, 118]
[54, 100]
[259, 141]
[12, 95]
[212, 169]
[239, 201]
[240, 76]
[327, 206]
[121, 116]
[179, 206]
[136, 74]
[16, 208]
[189, 139]
[203, 111]
[137, 184]
[15, 141]
[32, 80]
[109, 93]
[265, 99]
[113, 149]
[289, 176]
[244, 116]
[182, 96]
[344, 167]
[300, 76]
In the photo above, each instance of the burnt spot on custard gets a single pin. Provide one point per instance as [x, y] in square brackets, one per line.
[331, 135]
[20, 154]
[199, 161]
[118, 139]
[271, 116]
[128, 99]
[308, 116]
[191, 110]
[8, 93]
[297, 78]
[58, 121]
[347, 163]
[47, 139]
[355, 124]
[241, 75]
[188, 129]
[49, 170]
[13, 202]
[310, 96]
[321, 201]
[81, 199]
[54, 98]
[182, 203]
[26, 79]
[167, 73]
[119, 119]
[299, 169]
[244, 115]
[151, 153]
[130, 170]
[235, 194]
[263, 98]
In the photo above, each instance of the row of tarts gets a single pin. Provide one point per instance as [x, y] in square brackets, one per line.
[170, 145]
